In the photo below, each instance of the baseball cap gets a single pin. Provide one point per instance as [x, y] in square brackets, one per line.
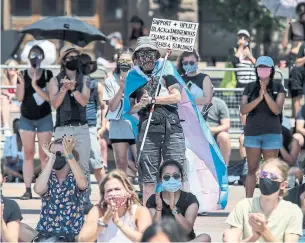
[146, 42]
[264, 60]
[244, 32]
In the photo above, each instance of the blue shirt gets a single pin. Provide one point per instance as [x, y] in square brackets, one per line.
[92, 106]
[62, 207]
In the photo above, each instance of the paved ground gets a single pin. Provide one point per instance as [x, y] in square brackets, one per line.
[213, 224]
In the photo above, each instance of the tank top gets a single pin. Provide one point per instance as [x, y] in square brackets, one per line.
[92, 106]
[113, 234]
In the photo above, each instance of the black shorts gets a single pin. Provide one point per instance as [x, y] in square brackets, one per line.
[130, 141]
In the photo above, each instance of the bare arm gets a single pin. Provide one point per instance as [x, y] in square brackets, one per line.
[275, 106]
[143, 221]
[156, 214]
[234, 235]
[285, 40]
[116, 100]
[300, 127]
[83, 97]
[20, 88]
[134, 108]
[100, 91]
[9, 230]
[207, 92]
[56, 96]
[292, 156]
[41, 184]
[299, 62]
[81, 180]
[187, 222]
[293, 238]
[246, 107]
[268, 236]
[223, 127]
[174, 96]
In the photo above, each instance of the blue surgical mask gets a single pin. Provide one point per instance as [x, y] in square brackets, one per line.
[190, 68]
[172, 185]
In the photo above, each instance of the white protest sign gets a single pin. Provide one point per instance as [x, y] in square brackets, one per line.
[174, 35]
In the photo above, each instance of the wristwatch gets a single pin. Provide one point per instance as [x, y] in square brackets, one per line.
[69, 157]
[176, 211]
[153, 101]
[100, 222]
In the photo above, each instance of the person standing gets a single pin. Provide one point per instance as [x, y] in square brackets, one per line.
[263, 101]
[165, 139]
[36, 117]
[120, 131]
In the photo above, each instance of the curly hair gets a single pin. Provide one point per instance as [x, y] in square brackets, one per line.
[123, 178]
[184, 54]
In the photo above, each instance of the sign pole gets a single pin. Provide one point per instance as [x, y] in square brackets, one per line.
[153, 106]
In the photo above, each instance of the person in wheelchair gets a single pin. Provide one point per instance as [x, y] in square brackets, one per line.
[62, 186]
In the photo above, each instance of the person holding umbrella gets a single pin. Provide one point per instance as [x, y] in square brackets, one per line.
[69, 95]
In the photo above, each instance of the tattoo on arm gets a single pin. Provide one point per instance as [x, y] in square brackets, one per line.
[87, 81]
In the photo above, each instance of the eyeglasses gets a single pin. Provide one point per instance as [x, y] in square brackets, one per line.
[269, 175]
[70, 58]
[35, 55]
[190, 62]
[176, 176]
[151, 53]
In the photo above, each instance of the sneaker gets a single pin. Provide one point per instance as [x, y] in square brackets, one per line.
[26, 196]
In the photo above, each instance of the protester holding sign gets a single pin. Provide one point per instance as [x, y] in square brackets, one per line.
[36, 117]
[120, 131]
[263, 101]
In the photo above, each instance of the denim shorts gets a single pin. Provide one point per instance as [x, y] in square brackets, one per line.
[265, 141]
[44, 124]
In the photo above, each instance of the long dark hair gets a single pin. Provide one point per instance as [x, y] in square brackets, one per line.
[167, 226]
[124, 50]
[170, 163]
[184, 54]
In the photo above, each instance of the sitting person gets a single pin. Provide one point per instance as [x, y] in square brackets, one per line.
[119, 217]
[291, 148]
[171, 201]
[266, 218]
[10, 216]
[61, 185]
[13, 153]
[300, 126]
[165, 230]
[218, 119]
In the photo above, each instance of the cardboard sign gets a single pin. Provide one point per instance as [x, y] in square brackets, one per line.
[174, 35]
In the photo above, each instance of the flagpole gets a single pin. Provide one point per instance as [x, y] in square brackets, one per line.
[152, 107]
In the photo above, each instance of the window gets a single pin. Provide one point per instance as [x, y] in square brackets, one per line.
[21, 8]
[52, 8]
[84, 8]
[113, 10]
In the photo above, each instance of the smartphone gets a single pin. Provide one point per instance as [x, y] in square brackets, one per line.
[159, 188]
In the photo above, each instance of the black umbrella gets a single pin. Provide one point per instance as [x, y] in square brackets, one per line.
[65, 28]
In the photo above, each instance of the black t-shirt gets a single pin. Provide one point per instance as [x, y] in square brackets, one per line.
[12, 211]
[29, 107]
[161, 112]
[198, 79]
[185, 200]
[261, 120]
[301, 52]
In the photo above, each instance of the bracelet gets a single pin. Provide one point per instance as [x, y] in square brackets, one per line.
[69, 157]
[101, 223]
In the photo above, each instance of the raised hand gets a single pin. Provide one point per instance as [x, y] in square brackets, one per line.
[172, 203]
[66, 83]
[46, 150]
[34, 79]
[108, 215]
[159, 204]
[68, 144]
[20, 77]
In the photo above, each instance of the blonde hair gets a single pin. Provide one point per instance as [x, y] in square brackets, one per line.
[5, 79]
[283, 167]
[123, 178]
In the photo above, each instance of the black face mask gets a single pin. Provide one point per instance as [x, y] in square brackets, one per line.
[124, 67]
[35, 62]
[268, 186]
[72, 65]
[60, 161]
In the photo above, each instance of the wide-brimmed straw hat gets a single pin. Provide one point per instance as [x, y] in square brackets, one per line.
[65, 51]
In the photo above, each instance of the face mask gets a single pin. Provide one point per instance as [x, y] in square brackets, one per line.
[172, 185]
[72, 65]
[119, 198]
[190, 68]
[60, 161]
[147, 59]
[268, 186]
[263, 73]
[124, 67]
[35, 62]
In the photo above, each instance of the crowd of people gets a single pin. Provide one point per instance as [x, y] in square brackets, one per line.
[167, 211]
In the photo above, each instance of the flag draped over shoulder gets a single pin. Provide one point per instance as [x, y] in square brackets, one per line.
[205, 167]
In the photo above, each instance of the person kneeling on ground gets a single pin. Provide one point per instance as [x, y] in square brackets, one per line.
[171, 201]
[119, 217]
[10, 216]
[266, 218]
[61, 185]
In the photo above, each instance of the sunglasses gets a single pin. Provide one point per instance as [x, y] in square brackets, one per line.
[190, 62]
[269, 175]
[35, 55]
[70, 58]
[152, 53]
[176, 176]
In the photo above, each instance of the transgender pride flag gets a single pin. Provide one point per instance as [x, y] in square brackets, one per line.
[205, 166]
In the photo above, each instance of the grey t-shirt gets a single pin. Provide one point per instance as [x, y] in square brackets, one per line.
[119, 129]
[217, 112]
